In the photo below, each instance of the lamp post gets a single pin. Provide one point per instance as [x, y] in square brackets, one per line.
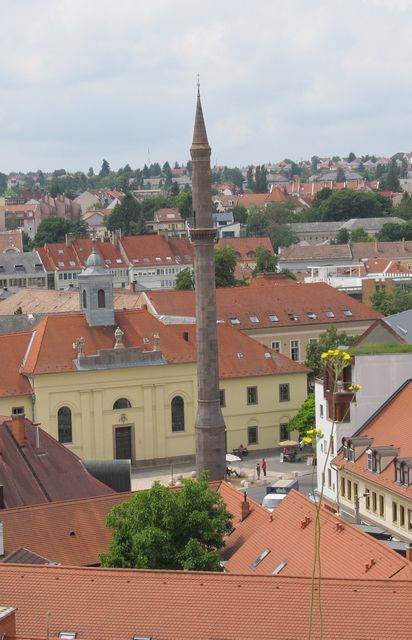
[356, 501]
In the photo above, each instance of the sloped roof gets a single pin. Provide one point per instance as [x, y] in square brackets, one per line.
[316, 252]
[73, 532]
[401, 323]
[174, 605]
[142, 251]
[11, 240]
[32, 478]
[291, 541]
[60, 257]
[246, 247]
[245, 302]
[389, 425]
[12, 349]
[167, 215]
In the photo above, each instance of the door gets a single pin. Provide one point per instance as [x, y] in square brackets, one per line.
[123, 443]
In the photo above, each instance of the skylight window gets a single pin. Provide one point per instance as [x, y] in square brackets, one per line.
[293, 317]
[146, 260]
[169, 258]
[311, 315]
[60, 264]
[136, 260]
[108, 261]
[177, 258]
[273, 317]
[329, 313]
[279, 568]
[68, 635]
[119, 260]
[158, 259]
[259, 559]
[72, 263]
[234, 320]
[347, 313]
[254, 318]
[60, 251]
[188, 257]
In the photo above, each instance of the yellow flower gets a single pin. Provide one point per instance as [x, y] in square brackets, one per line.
[346, 356]
[351, 387]
[336, 352]
[331, 352]
[359, 386]
[307, 440]
[311, 431]
[324, 355]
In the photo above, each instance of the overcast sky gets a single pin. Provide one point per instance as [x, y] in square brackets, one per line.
[82, 80]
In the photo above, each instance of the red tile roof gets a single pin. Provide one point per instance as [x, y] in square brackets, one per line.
[120, 603]
[291, 540]
[390, 426]
[51, 349]
[32, 478]
[12, 383]
[11, 239]
[246, 247]
[143, 251]
[59, 257]
[167, 215]
[245, 302]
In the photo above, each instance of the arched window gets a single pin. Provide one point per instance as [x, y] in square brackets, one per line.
[178, 414]
[101, 299]
[64, 424]
[122, 403]
[84, 299]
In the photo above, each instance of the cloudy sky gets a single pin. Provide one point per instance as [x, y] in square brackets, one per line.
[82, 80]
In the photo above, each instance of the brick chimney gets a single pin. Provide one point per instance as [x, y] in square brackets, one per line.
[18, 425]
[2, 505]
[245, 507]
[69, 239]
[409, 552]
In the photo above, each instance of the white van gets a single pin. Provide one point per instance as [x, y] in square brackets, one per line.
[277, 491]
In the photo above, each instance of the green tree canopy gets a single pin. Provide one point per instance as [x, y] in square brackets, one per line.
[281, 235]
[342, 236]
[261, 183]
[105, 169]
[305, 418]
[52, 229]
[330, 339]
[125, 213]
[183, 202]
[348, 203]
[340, 175]
[225, 264]
[266, 262]
[257, 222]
[390, 179]
[351, 157]
[185, 279]
[240, 214]
[393, 301]
[360, 235]
[392, 232]
[168, 529]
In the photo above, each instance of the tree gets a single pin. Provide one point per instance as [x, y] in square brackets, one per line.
[261, 183]
[392, 232]
[390, 179]
[340, 175]
[351, 157]
[239, 213]
[185, 280]
[105, 170]
[393, 300]
[174, 189]
[250, 179]
[52, 229]
[166, 529]
[225, 264]
[123, 215]
[266, 262]
[281, 235]
[347, 203]
[79, 226]
[330, 339]
[184, 203]
[257, 222]
[342, 236]
[321, 196]
[360, 235]
[27, 242]
[314, 161]
[305, 418]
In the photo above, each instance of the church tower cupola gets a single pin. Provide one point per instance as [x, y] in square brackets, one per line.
[96, 291]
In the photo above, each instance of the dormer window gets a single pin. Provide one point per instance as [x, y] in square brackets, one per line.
[354, 447]
[403, 474]
[253, 318]
[380, 457]
[292, 317]
[311, 315]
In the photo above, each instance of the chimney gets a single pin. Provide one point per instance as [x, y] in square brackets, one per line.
[2, 505]
[376, 246]
[69, 239]
[1, 539]
[115, 239]
[244, 507]
[409, 552]
[403, 244]
[18, 425]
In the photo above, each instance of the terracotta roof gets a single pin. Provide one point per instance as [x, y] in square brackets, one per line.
[243, 303]
[167, 215]
[12, 349]
[54, 301]
[355, 251]
[316, 252]
[51, 349]
[143, 251]
[246, 247]
[59, 257]
[122, 603]
[390, 425]
[30, 478]
[391, 250]
[73, 531]
[9, 239]
[291, 541]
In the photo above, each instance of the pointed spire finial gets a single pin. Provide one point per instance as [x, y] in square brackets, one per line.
[199, 133]
[198, 85]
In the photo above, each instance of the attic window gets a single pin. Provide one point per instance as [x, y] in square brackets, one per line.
[72, 263]
[403, 475]
[108, 261]
[311, 315]
[240, 355]
[19, 267]
[60, 264]
[188, 258]
[146, 260]
[119, 260]
[279, 568]
[259, 559]
[177, 258]
[61, 251]
[329, 313]
[273, 317]
[67, 635]
[168, 258]
[234, 320]
[293, 317]
[158, 259]
[136, 260]
[347, 312]
[254, 318]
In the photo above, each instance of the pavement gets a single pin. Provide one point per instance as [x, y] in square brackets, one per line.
[144, 478]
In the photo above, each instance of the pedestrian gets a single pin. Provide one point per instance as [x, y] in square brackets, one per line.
[258, 471]
[264, 466]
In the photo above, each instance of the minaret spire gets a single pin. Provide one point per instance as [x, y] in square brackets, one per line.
[210, 426]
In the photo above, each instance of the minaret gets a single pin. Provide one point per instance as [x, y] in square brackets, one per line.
[210, 426]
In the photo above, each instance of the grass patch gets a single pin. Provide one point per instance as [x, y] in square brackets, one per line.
[371, 349]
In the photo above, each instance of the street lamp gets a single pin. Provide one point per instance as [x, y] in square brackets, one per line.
[356, 501]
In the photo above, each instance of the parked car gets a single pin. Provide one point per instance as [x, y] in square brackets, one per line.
[277, 491]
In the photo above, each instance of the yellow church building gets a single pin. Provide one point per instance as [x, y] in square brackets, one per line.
[123, 385]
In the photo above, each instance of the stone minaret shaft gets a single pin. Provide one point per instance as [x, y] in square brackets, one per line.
[210, 426]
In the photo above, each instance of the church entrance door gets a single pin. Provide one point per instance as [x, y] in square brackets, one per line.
[123, 443]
